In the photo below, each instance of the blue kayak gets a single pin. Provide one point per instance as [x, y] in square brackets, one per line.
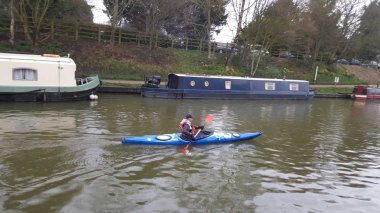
[205, 137]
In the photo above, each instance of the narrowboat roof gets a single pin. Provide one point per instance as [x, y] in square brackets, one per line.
[238, 78]
[29, 57]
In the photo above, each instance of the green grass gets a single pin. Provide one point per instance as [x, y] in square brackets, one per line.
[124, 85]
[333, 90]
[112, 69]
[5, 46]
[192, 61]
[53, 47]
[325, 76]
[196, 62]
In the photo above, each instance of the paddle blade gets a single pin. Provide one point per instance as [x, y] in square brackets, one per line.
[209, 118]
[185, 149]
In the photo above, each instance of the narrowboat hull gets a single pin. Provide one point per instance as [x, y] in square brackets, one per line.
[365, 97]
[50, 94]
[175, 139]
[217, 94]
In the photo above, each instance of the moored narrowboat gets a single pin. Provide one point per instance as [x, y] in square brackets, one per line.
[183, 86]
[43, 78]
[364, 92]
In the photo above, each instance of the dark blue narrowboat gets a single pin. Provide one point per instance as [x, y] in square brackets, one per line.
[225, 87]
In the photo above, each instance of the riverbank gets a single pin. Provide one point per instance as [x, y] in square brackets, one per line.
[130, 61]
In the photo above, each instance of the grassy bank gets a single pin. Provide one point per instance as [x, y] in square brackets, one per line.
[133, 62]
[333, 90]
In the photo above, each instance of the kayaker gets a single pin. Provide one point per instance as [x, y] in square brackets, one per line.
[188, 130]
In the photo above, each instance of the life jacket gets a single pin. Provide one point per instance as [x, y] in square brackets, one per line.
[186, 122]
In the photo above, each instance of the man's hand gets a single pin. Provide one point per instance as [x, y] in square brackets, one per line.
[201, 127]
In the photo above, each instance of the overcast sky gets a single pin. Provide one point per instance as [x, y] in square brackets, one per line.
[226, 34]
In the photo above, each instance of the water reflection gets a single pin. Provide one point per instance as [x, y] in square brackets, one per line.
[319, 155]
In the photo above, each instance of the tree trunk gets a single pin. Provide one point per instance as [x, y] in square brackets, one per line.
[11, 27]
[39, 14]
[151, 40]
[238, 29]
[209, 28]
[28, 37]
[24, 9]
[114, 21]
[252, 71]
[316, 52]
[113, 30]
[257, 65]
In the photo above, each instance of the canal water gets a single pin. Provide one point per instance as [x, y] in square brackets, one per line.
[320, 155]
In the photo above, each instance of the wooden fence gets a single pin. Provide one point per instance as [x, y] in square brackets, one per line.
[102, 34]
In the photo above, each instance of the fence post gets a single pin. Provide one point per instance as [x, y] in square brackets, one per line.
[200, 45]
[187, 43]
[172, 43]
[76, 32]
[52, 29]
[119, 36]
[99, 35]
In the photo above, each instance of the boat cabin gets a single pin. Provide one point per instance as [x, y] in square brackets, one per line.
[36, 70]
[25, 77]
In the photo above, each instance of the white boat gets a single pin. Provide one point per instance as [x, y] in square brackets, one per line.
[43, 78]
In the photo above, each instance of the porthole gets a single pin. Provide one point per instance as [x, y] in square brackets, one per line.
[192, 83]
[207, 83]
[236, 135]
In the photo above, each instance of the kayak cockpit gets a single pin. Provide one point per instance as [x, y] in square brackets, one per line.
[202, 134]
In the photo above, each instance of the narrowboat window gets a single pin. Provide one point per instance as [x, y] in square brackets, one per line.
[293, 87]
[25, 74]
[270, 86]
[192, 83]
[207, 83]
[227, 84]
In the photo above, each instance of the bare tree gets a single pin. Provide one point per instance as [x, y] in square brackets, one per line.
[152, 16]
[116, 10]
[326, 19]
[240, 9]
[257, 16]
[32, 14]
[350, 11]
[208, 7]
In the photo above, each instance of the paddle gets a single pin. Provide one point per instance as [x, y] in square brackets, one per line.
[208, 119]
